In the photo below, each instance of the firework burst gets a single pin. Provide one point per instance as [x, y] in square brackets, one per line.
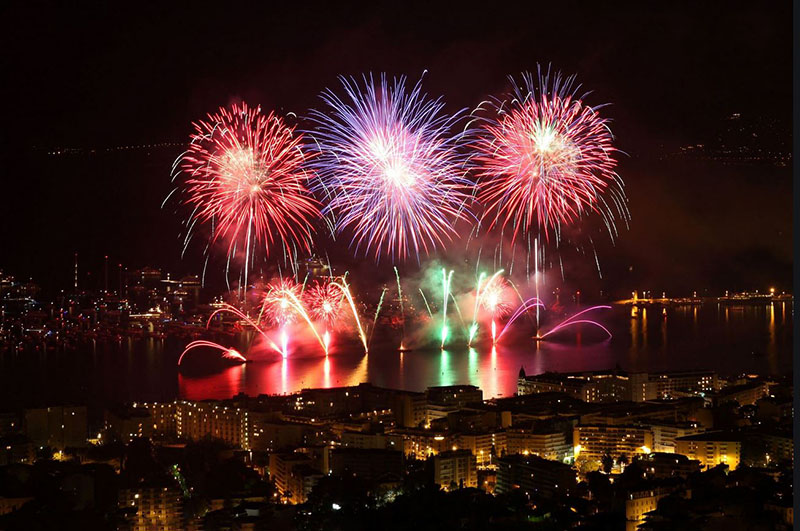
[324, 302]
[494, 297]
[280, 305]
[244, 174]
[390, 168]
[546, 160]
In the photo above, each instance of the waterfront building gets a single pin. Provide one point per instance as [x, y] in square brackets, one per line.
[196, 420]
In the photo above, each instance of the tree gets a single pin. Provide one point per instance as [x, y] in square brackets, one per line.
[608, 463]
[623, 460]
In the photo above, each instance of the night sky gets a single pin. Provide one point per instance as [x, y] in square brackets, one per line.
[93, 79]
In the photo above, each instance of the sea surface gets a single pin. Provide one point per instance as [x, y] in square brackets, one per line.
[728, 339]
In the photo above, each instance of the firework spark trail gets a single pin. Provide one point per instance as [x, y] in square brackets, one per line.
[473, 329]
[377, 311]
[571, 320]
[527, 305]
[232, 309]
[424, 298]
[227, 353]
[446, 280]
[522, 299]
[458, 310]
[402, 307]
[586, 321]
[546, 160]
[244, 174]
[492, 300]
[349, 296]
[301, 311]
[390, 167]
[536, 276]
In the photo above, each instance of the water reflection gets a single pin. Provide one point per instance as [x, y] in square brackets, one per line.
[730, 339]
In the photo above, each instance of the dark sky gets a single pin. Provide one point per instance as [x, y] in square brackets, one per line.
[111, 76]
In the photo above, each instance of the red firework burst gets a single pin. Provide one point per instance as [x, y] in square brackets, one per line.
[281, 302]
[546, 160]
[324, 302]
[245, 174]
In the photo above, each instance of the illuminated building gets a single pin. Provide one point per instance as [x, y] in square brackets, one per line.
[281, 467]
[361, 440]
[744, 394]
[156, 507]
[592, 442]
[587, 386]
[668, 465]
[423, 443]
[554, 445]
[696, 381]
[163, 417]
[268, 433]
[58, 427]
[483, 445]
[665, 433]
[644, 412]
[534, 476]
[16, 449]
[182, 295]
[455, 469]
[617, 385]
[638, 503]
[126, 424]
[196, 420]
[302, 480]
[409, 409]
[454, 395]
[711, 449]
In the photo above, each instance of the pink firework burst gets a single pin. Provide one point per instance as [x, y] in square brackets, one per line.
[244, 174]
[324, 302]
[280, 305]
[546, 160]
